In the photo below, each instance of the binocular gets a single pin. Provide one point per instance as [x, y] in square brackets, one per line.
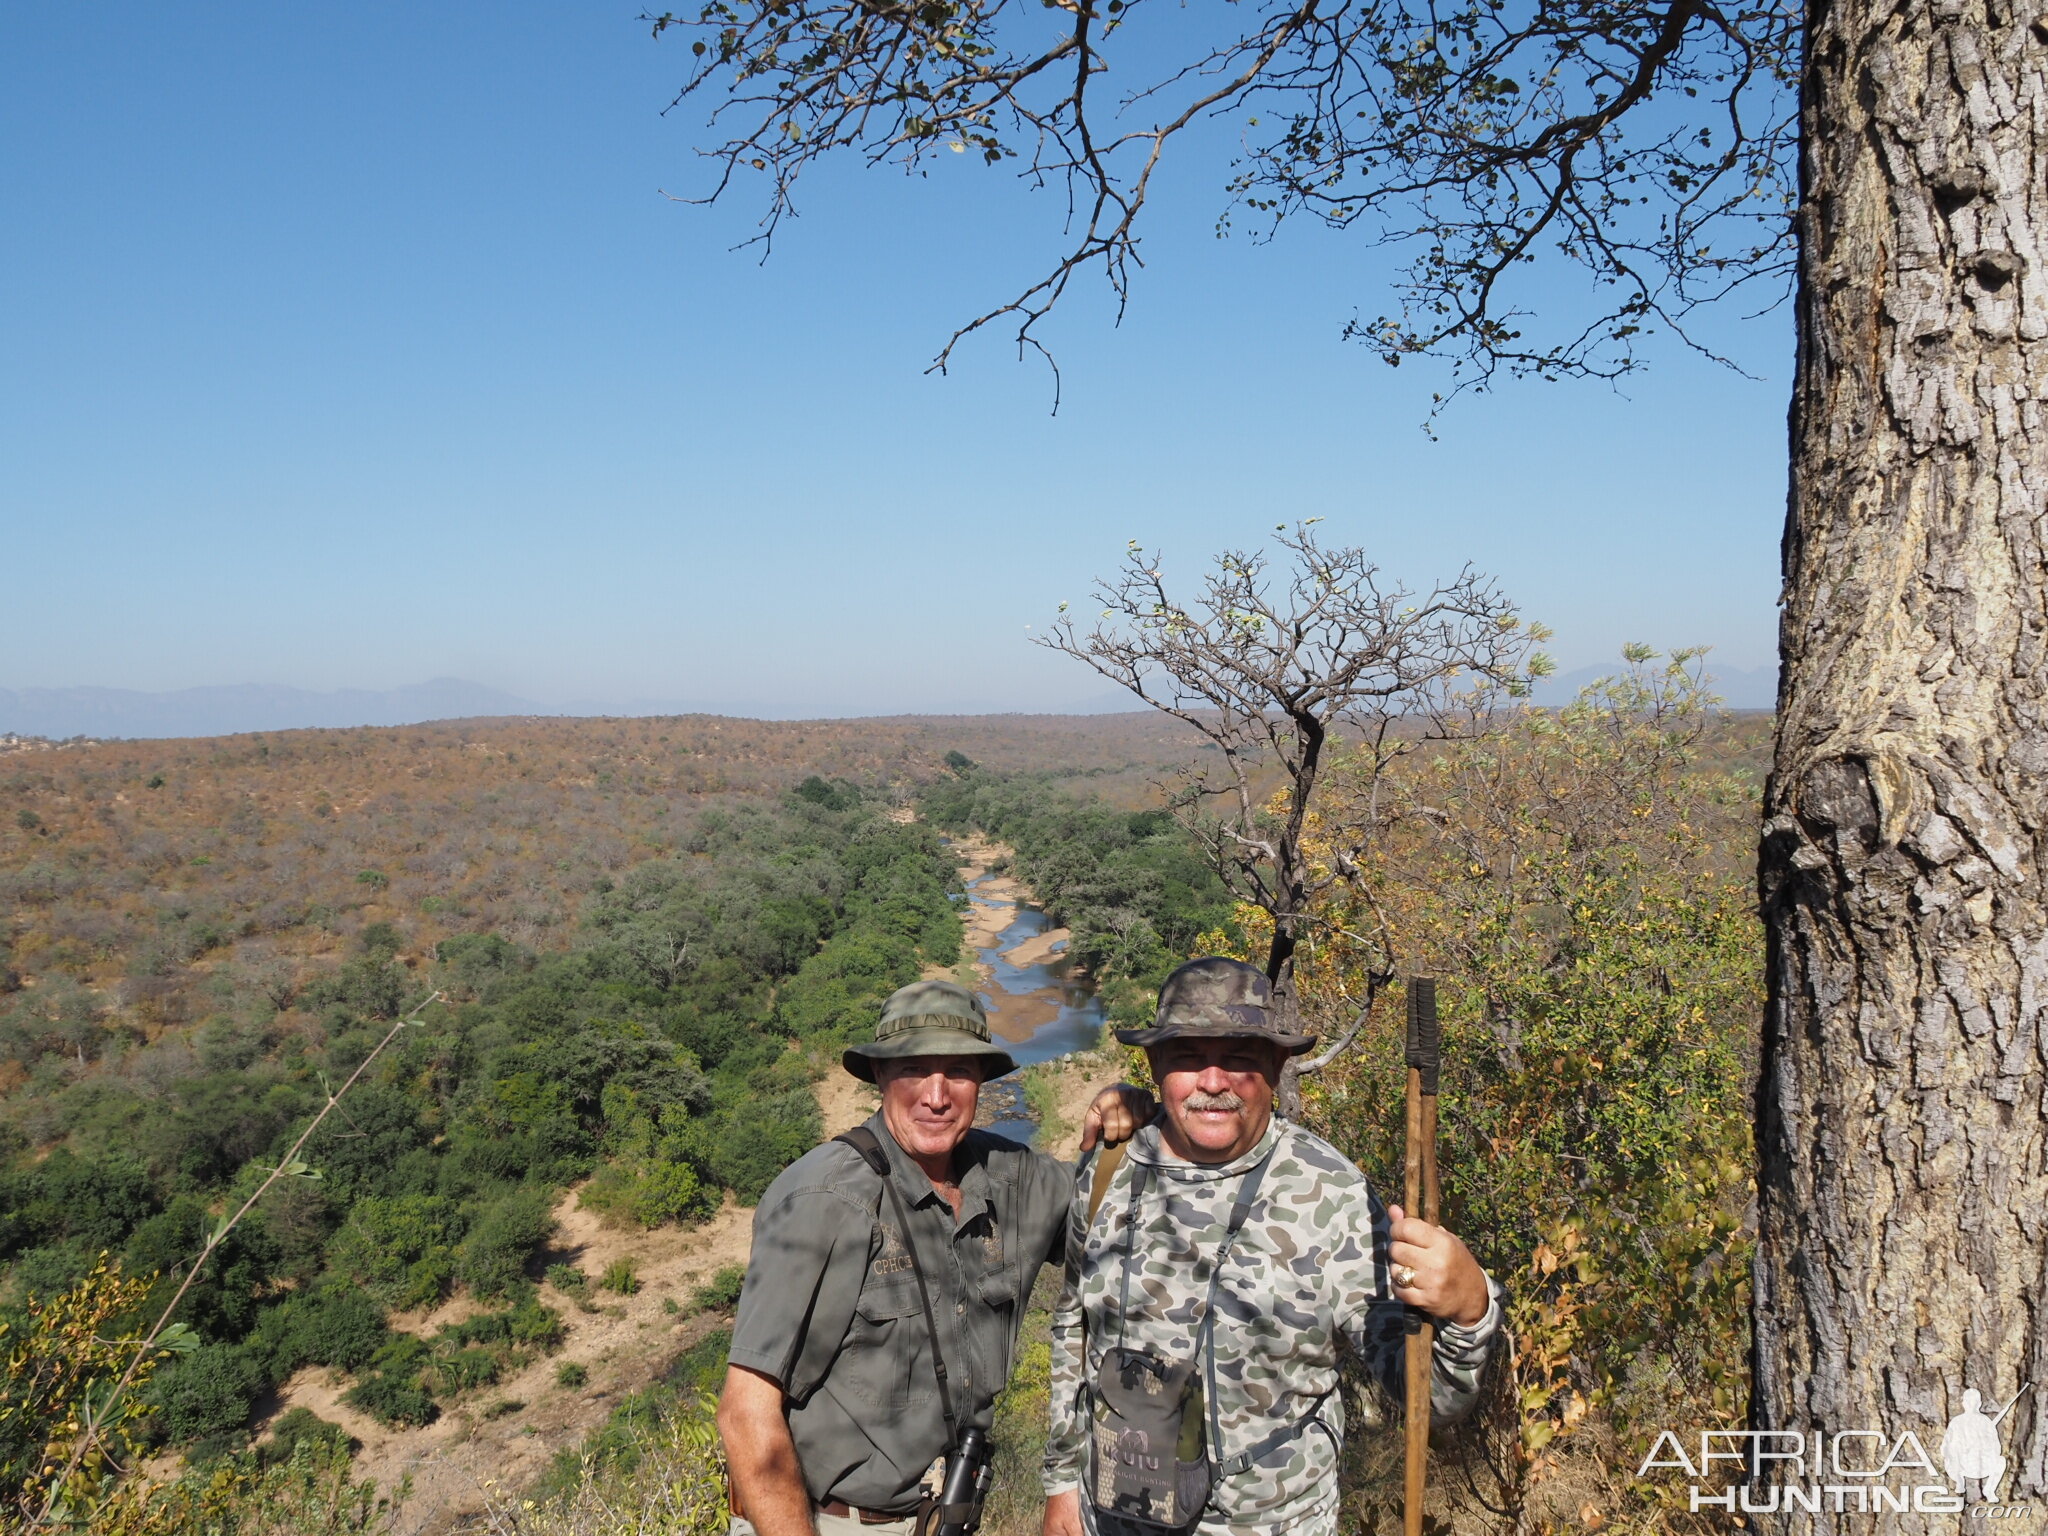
[968, 1473]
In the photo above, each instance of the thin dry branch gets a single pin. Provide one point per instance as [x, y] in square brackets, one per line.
[94, 1415]
[1274, 665]
[1646, 142]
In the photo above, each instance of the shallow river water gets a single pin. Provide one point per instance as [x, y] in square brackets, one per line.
[1075, 1026]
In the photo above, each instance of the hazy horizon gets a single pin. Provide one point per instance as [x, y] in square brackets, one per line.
[233, 709]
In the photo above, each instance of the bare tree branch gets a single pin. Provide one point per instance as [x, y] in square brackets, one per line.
[1646, 142]
[1275, 667]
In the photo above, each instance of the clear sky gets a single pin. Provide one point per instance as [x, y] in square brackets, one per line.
[349, 346]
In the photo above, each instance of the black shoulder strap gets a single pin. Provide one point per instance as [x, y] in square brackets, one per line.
[869, 1146]
[1205, 1335]
[1248, 1193]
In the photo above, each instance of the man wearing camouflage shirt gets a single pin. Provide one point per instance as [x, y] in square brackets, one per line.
[1317, 1257]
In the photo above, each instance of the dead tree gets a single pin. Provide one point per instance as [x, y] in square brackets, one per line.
[1275, 669]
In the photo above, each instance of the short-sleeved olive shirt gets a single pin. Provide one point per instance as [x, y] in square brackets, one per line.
[830, 1307]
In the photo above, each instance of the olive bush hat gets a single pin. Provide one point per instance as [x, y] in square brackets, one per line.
[929, 1018]
[1213, 998]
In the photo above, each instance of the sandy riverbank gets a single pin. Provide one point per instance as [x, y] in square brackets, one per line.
[1039, 948]
[997, 899]
[1075, 1080]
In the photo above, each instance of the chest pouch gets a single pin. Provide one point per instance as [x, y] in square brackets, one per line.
[1154, 1426]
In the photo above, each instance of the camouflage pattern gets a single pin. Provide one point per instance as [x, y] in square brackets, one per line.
[1310, 1267]
[1217, 997]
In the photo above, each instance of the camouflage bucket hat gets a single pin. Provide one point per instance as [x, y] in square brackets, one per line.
[929, 1018]
[1215, 998]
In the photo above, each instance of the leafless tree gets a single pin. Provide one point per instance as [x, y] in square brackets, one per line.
[1275, 668]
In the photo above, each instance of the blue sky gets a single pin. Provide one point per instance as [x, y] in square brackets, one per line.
[351, 346]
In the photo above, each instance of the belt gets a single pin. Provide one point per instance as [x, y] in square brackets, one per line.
[846, 1511]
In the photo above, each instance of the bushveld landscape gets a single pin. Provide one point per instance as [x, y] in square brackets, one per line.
[586, 981]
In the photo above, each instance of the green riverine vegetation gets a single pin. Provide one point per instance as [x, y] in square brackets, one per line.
[1130, 885]
[644, 940]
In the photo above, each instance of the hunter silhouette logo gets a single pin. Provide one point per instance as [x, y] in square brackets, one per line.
[1970, 1450]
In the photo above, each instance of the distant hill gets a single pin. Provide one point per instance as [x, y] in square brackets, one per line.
[225, 711]
[127, 714]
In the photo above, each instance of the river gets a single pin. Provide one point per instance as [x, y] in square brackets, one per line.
[1037, 1009]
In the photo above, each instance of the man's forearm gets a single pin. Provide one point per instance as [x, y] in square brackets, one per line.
[761, 1457]
[1459, 1358]
[1064, 1441]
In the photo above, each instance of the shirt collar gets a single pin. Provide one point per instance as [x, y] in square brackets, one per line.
[917, 1188]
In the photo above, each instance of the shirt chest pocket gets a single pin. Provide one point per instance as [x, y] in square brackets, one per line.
[998, 1287]
[890, 1353]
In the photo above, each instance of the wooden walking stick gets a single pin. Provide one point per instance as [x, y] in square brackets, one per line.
[1421, 1193]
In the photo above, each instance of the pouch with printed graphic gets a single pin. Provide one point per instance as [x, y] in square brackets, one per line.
[1148, 1457]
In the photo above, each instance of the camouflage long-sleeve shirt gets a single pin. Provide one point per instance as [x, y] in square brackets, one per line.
[1310, 1266]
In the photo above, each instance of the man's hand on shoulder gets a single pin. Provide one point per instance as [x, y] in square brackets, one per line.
[1444, 1279]
[1115, 1116]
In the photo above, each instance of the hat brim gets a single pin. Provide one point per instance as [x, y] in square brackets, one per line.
[1159, 1034]
[860, 1059]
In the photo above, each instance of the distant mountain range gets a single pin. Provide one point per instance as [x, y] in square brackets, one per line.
[225, 711]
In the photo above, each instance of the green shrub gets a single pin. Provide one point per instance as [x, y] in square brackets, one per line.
[207, 1392]
[303, 1427]
[393, 1393]
[568, 1279]
[535, 1324]
[484, 1328]
[571, 1374]
[465, 1370]
[721, 1291]
[668, 1192]
[393, 1401]
[753, 1142]
[339, 1327]
[492, 1258]
[621, 1275]
[398, 1248]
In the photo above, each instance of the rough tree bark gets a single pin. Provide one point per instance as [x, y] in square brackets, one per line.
[1903, 1200]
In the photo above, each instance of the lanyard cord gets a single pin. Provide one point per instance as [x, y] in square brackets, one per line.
[924, 1297]
[1205, 1334]
[863, 1141]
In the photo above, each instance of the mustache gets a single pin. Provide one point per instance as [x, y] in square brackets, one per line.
[1223, 1101]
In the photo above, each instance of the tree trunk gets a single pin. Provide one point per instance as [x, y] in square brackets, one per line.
[1287, 1009]
[1902, 1195]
